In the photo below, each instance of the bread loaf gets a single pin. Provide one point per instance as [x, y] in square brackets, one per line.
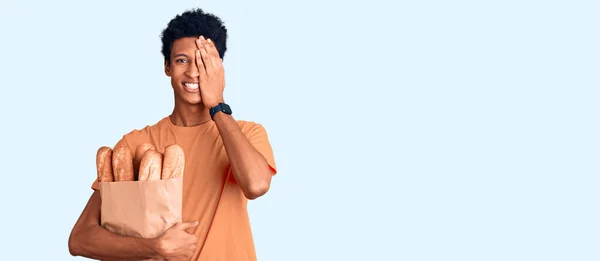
[104, 164]
[174, 162]
[151, 165]
[137, 159]
[122, 164]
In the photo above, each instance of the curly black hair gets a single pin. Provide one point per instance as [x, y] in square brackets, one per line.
[193, 23]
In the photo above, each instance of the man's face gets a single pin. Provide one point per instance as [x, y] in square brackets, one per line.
[183, 71]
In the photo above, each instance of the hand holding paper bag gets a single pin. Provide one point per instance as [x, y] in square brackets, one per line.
[142, 196]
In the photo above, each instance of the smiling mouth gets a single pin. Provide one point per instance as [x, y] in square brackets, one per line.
[191, 87]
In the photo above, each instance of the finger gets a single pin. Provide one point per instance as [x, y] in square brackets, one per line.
[205, 56]
[199, 42]
[214, 54]
[173, 163]
[199, 61]
[187, 225]
[140, 150]
[122, 164]
[200, 64]
[104, 164]
[213, 49]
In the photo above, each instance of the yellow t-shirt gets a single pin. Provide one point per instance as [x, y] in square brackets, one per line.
[210, 192]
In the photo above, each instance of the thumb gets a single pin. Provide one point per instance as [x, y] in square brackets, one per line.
[190, 224]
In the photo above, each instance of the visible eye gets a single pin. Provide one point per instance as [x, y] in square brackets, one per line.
[181, 61]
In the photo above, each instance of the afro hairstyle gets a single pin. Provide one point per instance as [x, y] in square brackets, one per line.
[194, 23]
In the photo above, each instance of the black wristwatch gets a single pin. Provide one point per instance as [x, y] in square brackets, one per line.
[221, 107]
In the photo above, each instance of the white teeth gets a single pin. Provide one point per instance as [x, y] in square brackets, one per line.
[192, 85]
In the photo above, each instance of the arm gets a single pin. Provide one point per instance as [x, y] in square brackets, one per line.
[250, 168]
[89, 239]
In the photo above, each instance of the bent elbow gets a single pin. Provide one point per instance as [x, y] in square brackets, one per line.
[257, 190]
[77, 241]
[73, 247]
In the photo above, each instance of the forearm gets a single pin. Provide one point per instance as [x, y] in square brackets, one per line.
[249, 167]
[96, 242]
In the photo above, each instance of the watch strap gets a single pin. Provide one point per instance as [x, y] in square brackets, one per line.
[221, 107]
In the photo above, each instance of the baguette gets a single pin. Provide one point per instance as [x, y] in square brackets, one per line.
[122, 164]
[137, 159]
[151, 165]
[104, 164]
[174, 162]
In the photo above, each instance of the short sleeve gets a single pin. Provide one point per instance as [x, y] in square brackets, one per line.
[257, 135]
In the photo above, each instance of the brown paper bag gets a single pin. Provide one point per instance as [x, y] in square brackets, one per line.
[141, 208]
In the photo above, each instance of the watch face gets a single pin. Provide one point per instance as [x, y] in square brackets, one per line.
[221, 107]
[225, 108]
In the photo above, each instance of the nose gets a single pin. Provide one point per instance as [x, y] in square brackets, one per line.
[192, 70]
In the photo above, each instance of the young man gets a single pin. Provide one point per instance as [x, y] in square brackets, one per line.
[228, 161]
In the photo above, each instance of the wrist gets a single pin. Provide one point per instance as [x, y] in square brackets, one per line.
[213, 103]
[220, 108]
[154, 246]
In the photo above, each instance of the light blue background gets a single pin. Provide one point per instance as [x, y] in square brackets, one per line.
[412, 130]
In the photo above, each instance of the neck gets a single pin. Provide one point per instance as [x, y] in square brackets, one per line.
[187, 115]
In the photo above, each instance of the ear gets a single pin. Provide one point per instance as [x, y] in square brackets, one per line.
[167, 68]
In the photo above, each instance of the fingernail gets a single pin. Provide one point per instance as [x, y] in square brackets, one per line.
[209, 40]
[202, 37]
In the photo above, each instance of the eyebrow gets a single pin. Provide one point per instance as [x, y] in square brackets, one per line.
[177, 55]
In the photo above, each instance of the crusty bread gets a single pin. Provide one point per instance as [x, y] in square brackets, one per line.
[174, 162]
[104, 164]
[151, 165]
[140, 150]
[122, 164]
